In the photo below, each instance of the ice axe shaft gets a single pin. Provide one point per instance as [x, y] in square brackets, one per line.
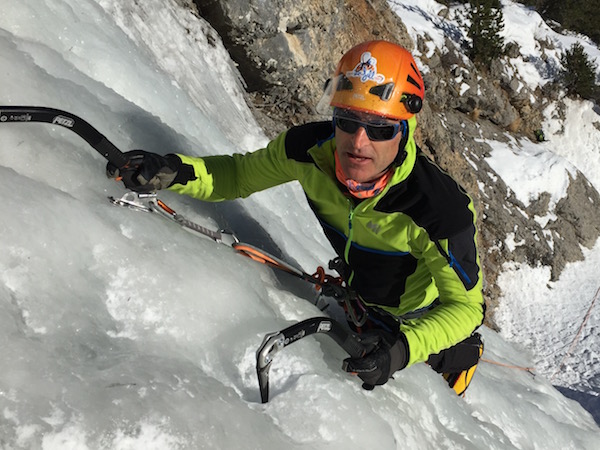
[41, 114]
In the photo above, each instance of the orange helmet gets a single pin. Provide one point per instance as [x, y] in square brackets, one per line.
[378, 77]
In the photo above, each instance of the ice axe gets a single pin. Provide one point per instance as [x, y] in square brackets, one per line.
[277, 341]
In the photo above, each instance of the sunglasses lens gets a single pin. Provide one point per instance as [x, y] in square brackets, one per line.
[381, 133]
[349, 123]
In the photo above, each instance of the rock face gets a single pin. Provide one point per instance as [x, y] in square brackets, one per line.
[286, 49]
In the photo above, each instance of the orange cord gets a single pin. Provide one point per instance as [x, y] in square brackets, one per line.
[509, 366]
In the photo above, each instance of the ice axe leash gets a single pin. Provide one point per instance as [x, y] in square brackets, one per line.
[143, 202]
[273, 342]
[149, 202]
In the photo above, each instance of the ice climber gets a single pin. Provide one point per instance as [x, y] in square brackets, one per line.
[403, 229]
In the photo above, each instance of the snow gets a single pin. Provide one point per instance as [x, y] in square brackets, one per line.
[541, 171]
[121, 330]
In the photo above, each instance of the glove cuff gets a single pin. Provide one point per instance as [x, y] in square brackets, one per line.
[185, 172]
[399, 354]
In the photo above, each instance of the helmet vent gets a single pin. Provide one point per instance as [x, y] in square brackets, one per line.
[416, 71]
[414, 82]
[384, 91]
[344, 84]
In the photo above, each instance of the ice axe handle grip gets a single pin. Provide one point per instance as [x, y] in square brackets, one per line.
[112, 153]
[353, 347]
[348, 341]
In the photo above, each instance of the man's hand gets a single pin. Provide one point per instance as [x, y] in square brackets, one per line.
[145, 171]
[389, 354]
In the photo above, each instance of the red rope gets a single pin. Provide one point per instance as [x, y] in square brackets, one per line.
[526, 369]
[574, 342]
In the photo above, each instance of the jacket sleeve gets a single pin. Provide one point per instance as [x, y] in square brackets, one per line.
[227, 177]
[455, 268]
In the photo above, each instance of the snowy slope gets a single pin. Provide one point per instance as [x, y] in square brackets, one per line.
[121, 330]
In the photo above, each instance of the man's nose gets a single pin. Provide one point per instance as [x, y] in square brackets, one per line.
[360, 138]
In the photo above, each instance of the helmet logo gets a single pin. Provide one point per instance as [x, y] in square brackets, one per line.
[366, 69]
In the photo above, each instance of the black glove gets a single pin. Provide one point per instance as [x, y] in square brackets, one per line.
[459, 357]
[147, 172]
[389, 354]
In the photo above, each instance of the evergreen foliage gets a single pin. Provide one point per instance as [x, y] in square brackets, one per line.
[580, 16]
[579, 74]
[487, 22]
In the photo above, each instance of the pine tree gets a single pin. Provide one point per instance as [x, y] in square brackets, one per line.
[487, 22]
[576, 15]
[579, 74]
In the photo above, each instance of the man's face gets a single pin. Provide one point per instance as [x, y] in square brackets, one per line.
[362, 157]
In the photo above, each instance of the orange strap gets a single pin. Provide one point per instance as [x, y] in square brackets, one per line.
[167, 209]
[264, 258]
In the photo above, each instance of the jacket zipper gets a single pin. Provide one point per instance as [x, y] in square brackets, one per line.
[349, 240]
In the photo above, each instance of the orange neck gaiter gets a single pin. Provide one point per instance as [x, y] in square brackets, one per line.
[362, 190]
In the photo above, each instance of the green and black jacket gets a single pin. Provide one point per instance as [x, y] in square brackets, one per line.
[409, 245]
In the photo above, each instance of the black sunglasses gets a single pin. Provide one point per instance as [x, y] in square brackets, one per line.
[349, 123]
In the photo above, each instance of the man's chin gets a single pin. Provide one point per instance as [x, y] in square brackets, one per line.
[360, 176]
